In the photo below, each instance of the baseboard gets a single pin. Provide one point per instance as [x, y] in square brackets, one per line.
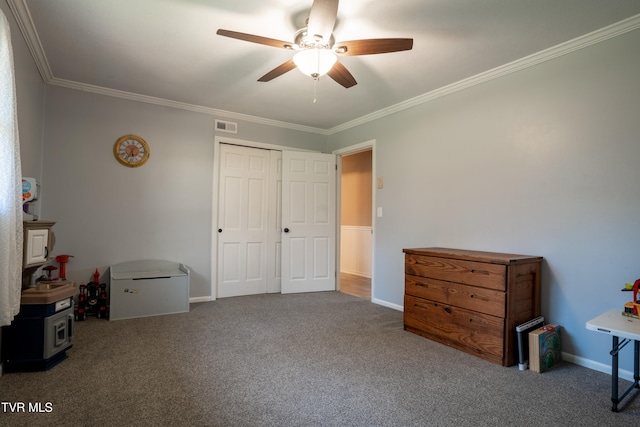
[596, 366]
[355, 273]
[193, 300]
[387, 304]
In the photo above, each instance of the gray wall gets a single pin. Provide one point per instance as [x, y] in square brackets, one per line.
[545, 161]
[540, 162]
[107, 213]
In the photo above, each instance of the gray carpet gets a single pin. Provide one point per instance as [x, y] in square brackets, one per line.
[323, 359]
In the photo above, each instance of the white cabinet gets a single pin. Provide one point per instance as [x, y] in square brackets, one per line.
[36, 250]
[38, 242]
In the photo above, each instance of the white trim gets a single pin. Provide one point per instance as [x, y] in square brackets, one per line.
[27, 28]
[565, 48]
[596, 366]
[214, 221]
[254, 144]
[23, 18]
[387, 304]
[356, 148]
[353, 149]
[83, 87]
[215, 192]
[194, 300]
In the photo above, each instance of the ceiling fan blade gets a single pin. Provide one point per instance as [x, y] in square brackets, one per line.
[255, 39]
[372, 46]
[322, 18]
[340, 74]
[278, 71]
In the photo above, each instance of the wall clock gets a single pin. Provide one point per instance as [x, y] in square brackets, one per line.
[131, 151]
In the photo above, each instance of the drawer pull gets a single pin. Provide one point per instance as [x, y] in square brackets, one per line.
[448, 310]
[483, 298]
[480, 271]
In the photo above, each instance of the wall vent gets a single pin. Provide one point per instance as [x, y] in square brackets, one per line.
[224, 126]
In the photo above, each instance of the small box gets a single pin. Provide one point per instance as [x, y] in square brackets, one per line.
[29, 189]
[544, 348]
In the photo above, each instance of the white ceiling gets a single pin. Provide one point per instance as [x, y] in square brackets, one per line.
[167, 51]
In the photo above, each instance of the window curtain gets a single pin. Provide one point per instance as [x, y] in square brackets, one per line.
[10, 184]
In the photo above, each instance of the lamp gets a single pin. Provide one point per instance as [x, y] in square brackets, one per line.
[315, 62]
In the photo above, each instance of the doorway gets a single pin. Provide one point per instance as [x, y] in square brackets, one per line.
[356, 222]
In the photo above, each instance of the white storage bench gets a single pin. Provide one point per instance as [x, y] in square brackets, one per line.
[148, 288]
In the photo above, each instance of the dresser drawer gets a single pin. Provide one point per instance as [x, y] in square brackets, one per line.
[487, 301]
[481, 274]
[474, 332]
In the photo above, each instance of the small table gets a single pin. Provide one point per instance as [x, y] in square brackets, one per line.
[614, 323]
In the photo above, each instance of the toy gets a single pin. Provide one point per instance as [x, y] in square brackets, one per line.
[50, 269]
[63, 260]
[631, 308]
[80, 311]
[92, 299]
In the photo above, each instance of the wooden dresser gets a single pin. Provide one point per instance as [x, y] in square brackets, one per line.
[471, 300]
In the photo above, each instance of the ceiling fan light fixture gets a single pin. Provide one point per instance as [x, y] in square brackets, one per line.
[316, 47]
[315, 62]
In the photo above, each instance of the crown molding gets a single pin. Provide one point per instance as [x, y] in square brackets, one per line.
[22, 16]
[25, 23]
[581, 42]
[83, 87]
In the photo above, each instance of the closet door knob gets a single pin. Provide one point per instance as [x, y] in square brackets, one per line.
[286, 230]
[219, 230]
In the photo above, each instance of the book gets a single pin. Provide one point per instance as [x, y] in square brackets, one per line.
[522, 331]
[544, 348]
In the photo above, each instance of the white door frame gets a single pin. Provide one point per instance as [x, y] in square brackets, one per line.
[353, 149]
[215, 193]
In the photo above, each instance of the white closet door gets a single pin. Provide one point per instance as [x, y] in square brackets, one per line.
[274, 260]
[308, 221]
[242, 221]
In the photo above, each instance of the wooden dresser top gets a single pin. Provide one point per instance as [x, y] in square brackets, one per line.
[470, 255]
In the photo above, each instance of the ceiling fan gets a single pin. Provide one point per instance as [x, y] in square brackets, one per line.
[317, 50]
